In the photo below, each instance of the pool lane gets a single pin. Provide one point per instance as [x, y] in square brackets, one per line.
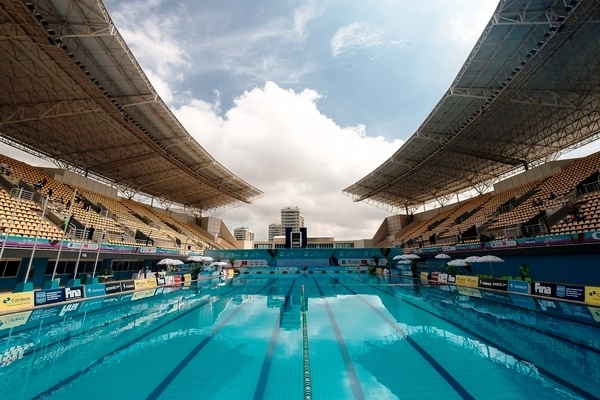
[263, 377]
[443, 372]
[352, 376]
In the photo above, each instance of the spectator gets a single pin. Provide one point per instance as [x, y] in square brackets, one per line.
[3, 166]
[49, 192]
[8, 171]
[91, 231]
[38, 184]
[44, 181]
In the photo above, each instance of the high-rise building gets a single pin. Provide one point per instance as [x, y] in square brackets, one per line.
[292, 218]
[275, 230]
[243, 233]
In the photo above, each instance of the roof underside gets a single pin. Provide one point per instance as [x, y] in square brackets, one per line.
[71, 90]
[529, 90]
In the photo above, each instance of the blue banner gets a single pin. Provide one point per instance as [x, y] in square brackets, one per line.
[97, 289]
[48, 296]
[518, 287]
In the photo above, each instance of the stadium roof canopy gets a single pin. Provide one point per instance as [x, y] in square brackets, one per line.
[528, 91]
[71, 90]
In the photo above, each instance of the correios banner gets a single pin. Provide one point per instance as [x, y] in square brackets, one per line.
[16, 301]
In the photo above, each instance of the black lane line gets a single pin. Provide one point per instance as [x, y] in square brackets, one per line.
[261, 384]
[551, 375]
[164, 384]
[68, 380]
[350, 370]
[439, 368]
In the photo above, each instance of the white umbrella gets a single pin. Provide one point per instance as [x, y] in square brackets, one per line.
[404, 262]
[207, 259]
[398, 257]
[457, 263]
[165, 261]
[490, 259]
[472, 259]
[176, 262]
[195, 258]
[442, 256]
[410, 257]
[220, 263]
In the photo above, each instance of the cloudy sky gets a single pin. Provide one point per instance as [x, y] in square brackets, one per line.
[302, 98]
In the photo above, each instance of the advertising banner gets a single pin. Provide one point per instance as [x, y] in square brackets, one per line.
[451, 279]
[187, 277]
[467, 280]
[443, 278]
[73, 293]
[12, 320]
[503, 298]
[176, 279]
[90, 305]
[522, 301]
[112, 287]
[595, 311]
[98, 289]
[161, 281]
[144, 283]
[142, 294]
[127, 285]
[16, 301]
[518, 286]
[570, 292]
[500, 284]
[48, 296]
[578, 311]
[423, 276]
[592, 294]
[543, 289]
[469, 291]
[435, 276]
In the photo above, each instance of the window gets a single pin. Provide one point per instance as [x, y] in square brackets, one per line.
[9, 268]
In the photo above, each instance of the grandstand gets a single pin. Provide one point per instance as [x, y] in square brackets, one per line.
[525, 95]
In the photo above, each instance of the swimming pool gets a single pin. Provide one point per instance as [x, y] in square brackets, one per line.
[319, 336]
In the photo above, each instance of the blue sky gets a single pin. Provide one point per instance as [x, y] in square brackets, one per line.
[302, 98]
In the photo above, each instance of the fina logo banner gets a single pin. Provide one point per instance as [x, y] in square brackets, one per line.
[48, 296]
[73, 293]
[544, 289]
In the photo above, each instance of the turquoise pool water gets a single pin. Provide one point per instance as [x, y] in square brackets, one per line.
[304, 336]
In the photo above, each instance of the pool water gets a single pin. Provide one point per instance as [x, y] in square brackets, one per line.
[304, 336]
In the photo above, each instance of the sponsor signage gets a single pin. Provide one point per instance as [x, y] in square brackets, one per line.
[469, 291]
[592, 294]
[578, 311]
[91, 305]
[161, 280]
[500, 284]
[467, 280]
[144, 283]
[423, 276]
[112, 287]
[543, 289]
[147, 249]
[82, 246]
[435, 276]
[12, 320]
[48, 296]
[595, 311]
[43, 313]
[95, 290]
[518, 286]
[73, 293]
[142, 294]
[187, 277]
[127, 285]
[67, 308]
[570, 292]
[451, 279]
[16, 301]
[504, 243]
[176, 279]
[522, 301]
[497, 297]
[443, 278]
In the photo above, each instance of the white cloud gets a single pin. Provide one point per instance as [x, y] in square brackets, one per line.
[355, 36]
[279, 141]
